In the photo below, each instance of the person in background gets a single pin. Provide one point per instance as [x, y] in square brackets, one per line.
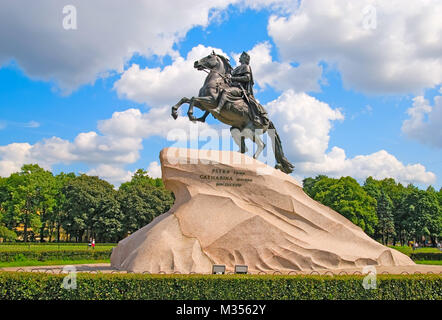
[93, 243]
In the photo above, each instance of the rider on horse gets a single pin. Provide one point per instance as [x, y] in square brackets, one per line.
[241, 85]
[232, 94]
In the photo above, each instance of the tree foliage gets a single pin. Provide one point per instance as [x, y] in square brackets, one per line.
[347, 197]
[92, 208]
[142, 199]
[384, 210]
[402, 213]
[6, 234]
[36, 204]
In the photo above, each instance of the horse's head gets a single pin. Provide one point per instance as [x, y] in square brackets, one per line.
[210, 62]
[214, 62]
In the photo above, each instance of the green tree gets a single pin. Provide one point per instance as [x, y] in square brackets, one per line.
[434, 221]
[142, 176]
[439, 195]
[6, 234]
[92, 209]
[141, 200]
[308, 184]
[385, 227]
[28, 199]
[4, 193]
[422, 214]
[347, 197]
[47, 199]
[58, 213]
[395, 192]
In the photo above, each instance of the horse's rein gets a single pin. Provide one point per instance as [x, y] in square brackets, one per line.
[206, 70]
[220, 74]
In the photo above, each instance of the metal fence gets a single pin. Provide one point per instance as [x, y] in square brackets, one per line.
[285, 273]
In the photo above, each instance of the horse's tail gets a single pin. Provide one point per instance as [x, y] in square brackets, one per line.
[282, 163]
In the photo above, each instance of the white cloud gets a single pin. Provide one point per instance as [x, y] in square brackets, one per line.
[12, 157]
[156, 122]
[53, 150]
[305, 121]
[402, 54]
[304, 124]
[113, 174]
[90, 148]
[154, 170]
[425, 122]
[281, 75]
[117, 144]
[158, 87]
[108, 33]
[31, 124]
[379, 165]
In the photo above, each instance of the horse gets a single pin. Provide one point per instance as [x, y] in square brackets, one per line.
[233, 113]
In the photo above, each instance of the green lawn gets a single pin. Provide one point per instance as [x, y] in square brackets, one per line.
[29, 263]
[433, 262]
[407, 250]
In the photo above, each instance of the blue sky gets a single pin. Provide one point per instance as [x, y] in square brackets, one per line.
[342, 109]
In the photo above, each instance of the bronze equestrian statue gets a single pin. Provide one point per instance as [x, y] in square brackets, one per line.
[227, 94]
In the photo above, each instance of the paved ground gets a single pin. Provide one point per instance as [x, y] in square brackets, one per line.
[106, 268]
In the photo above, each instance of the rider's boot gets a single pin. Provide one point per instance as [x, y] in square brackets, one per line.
[256, 120]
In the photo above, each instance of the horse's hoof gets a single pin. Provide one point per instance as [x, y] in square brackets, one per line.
[192, 118]
[201, 119]
[174, 114]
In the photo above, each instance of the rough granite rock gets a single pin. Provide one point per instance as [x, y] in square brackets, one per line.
[231, 209]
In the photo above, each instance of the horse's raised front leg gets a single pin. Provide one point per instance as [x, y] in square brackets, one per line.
[179, 104]
[190, 111]
[200, 102]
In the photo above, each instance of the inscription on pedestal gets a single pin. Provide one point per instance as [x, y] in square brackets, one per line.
[227, 178]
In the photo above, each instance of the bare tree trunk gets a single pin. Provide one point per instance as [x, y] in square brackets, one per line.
[42, 229]
[58, 232]
[51, 230]
[25, 232]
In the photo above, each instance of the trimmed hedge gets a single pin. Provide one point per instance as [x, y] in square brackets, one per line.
[426, 256]
[47, 255]
[21, 285]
